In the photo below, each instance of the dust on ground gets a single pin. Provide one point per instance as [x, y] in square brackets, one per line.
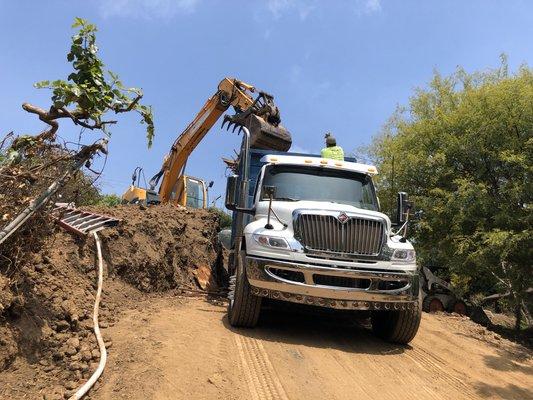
[172, 348]
[166, 346]
[47, 345]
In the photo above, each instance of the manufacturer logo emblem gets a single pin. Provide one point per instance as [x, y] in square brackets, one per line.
[343, 218]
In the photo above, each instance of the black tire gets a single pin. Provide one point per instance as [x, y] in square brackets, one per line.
[244, 307]
[459, 307]
[397, 326]
[432, 304]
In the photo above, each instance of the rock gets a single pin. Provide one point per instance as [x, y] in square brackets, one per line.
[71, 385]
[84, 367]
[70, 350]
[86, 355]
[68, 394]
[74, 342]
[86, 324]
[62, 325]
[53, 393]
[48, 368]
[76, 366]
[95, 354]
[58, 354]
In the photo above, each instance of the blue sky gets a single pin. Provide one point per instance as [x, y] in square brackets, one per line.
[340, 66]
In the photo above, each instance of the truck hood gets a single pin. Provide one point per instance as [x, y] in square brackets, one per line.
[284, 210]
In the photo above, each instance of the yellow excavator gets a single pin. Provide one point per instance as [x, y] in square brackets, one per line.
[260, 115]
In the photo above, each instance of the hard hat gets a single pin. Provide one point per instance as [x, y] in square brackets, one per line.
[330, 139]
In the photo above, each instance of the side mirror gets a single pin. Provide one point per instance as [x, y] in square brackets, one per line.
[231, 192]
[404, 207]
[232, 202]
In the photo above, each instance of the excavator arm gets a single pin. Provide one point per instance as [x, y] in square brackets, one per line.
[259, 115]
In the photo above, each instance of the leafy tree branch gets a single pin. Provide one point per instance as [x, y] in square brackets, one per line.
[89, 93]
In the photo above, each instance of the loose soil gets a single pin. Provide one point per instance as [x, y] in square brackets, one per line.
[178, 348]
[47, 345]
[163, 344]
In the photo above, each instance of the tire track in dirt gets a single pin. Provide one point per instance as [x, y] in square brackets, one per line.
[263, 381]
[437, 368]
[399, 375]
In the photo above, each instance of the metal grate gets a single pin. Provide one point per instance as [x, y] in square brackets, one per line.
[325, 233]
[81, 222]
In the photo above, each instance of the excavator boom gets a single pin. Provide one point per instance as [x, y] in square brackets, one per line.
[259, 115]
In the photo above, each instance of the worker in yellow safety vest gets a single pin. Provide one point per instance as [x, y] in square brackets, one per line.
[332, 150]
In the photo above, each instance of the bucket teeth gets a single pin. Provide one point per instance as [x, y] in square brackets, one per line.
[229, 121]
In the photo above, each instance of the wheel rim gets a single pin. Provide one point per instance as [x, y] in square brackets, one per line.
[435, 305]
[459, 308]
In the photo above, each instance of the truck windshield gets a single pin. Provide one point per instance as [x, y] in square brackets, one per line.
[294, 183]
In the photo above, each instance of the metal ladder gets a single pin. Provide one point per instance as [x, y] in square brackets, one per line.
[81, 222]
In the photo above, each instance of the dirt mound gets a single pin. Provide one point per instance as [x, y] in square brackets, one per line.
[47, 346]
[164, 247]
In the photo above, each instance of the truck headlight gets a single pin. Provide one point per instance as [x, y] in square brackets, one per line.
[404, 255]
[272, 241]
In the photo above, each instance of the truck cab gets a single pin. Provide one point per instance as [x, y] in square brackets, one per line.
[309, 230]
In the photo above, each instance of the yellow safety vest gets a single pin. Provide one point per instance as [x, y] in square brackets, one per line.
[335, 153]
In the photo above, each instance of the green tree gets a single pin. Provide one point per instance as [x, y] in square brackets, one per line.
[89, 91]
[109, 200]
[225, 218]
[463, 149]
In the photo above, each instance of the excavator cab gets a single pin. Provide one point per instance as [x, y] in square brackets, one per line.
[190, 192]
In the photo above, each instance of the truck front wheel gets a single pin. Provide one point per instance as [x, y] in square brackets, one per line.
[397, 326]
[244, 308]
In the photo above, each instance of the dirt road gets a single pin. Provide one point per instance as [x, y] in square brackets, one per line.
[184, 349]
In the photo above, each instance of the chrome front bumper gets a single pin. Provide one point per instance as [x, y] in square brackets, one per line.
[340, 288]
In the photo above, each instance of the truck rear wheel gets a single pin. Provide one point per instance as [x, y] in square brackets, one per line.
[244, 308]
[397, 326]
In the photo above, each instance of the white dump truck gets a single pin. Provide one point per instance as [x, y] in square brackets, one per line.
[309, 230]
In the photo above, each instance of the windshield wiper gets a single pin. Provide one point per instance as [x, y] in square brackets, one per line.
[286, 199]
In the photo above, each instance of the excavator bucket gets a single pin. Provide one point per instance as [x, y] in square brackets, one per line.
[264, 135]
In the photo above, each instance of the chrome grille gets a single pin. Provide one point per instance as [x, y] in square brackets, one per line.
[325, 233]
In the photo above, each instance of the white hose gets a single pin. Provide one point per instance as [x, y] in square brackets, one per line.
[103, 354]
